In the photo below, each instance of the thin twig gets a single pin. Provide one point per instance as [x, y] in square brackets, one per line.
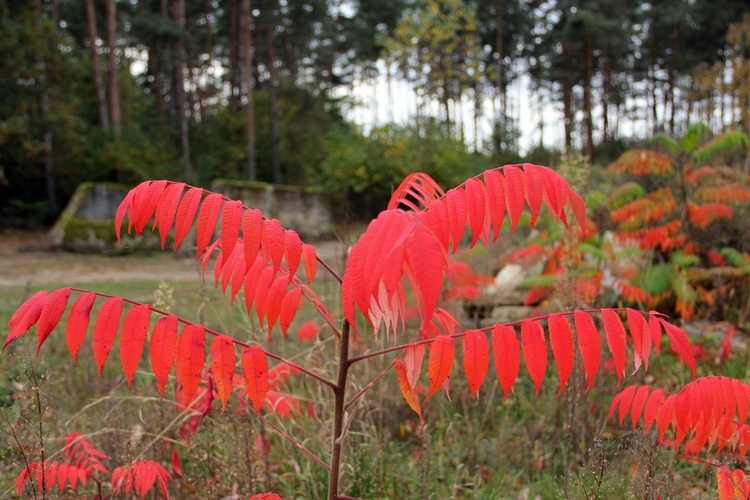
[293, 441]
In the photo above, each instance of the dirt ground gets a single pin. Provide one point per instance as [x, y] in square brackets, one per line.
[23, 261]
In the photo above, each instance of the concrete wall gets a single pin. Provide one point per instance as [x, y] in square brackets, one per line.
[298, 208]
[87, 223]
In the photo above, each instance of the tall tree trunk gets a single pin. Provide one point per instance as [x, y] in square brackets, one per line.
[234, 60]
[247, 47]
[605, 100]
[178, 13]
[676, 43]
[568, 102]
[273, 112]
[114, 86]
[500, 56]
[652, 84]
[101, 99]
[587, 97]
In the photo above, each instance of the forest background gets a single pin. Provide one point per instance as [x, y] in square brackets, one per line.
[266, 90]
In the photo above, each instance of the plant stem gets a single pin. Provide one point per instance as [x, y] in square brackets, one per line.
[41, 431]
[338, 415]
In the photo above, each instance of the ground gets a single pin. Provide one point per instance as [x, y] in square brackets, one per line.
[24, 261]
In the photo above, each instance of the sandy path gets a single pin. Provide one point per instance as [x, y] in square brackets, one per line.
[22, 263]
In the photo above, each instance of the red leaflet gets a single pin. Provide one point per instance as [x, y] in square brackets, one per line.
[252, 233]
[186, 214]
[273, 243]
[513, 194]
[534, 352]
[625, 399]
[310, 258]
[588, 344]
[495, 184]
[163, 347]
[120, 214]
[166, 209]
[652, 408]
[105, 330]
[25, 316]
[506, 352]
[654, 327]
[261, 293]
[406, 389]
[419, 186]
[440, 362]
[231, 219]
[273, 302]
[289, 306]
[251, 281]
[413, 357]
[146, 204]
[641, 337]
[78, 323]
[639, 402]
[136, 203]
[207, 218]
[477, 207]
[561, 341]
[140, 476]
[255, 371]
[222, 366]
[615, 332]
[176, 465]
[292, 251]
[50, 315]
[476, 359]
[455, 201]
[533, 189]
[552, 190]
[579, 208]
[681, 344]
[191, 357]
[132, 338]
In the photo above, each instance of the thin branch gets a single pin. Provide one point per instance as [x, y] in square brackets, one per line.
[215, 333]
[330, 270]
[372, 383]
[293, 441]
[485, 329]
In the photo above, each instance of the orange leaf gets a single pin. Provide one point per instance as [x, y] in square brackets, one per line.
[132, 338]
[506, 353]
[476, 359]
[191, 357]
[406, 390]
[534, 352]
[588, 344]
[413, 357]
[440, 362]
[162, 347]
[310, 259]
[105, 330]
[222, 366]
[255, 371]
